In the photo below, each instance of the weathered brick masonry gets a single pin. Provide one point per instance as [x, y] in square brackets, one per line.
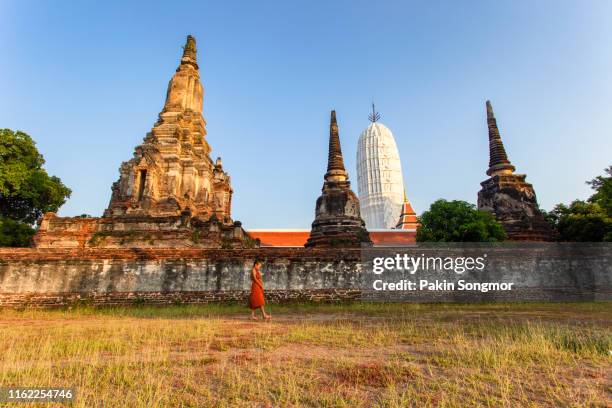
[55, 277]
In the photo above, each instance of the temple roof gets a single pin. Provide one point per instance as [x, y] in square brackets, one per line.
[407, 219]
[298, 237]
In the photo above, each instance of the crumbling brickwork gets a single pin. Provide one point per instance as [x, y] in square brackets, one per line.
[58, 277]
[508, 196]
[171, 193]
[338, 221]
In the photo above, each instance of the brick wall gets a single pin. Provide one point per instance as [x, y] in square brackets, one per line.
[52, 277]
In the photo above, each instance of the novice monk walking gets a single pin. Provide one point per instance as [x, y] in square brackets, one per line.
[256, 298]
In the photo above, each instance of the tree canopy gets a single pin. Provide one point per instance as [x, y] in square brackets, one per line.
[603, 191]
[26, 190]
[582, 221]
[458, 221]
[586, 221]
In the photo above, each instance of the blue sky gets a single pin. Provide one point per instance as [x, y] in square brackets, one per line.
[86, 80]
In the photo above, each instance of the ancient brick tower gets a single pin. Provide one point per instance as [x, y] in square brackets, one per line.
[338, 222]
[507, 195]
[170, 194]
[171, 172]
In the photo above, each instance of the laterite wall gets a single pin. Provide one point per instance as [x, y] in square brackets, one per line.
[56, 277]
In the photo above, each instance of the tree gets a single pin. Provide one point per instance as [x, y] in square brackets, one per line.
[581, 221]
[586, 221]
[458, 221]
[26, 190]
[603, 191]
[14, 233]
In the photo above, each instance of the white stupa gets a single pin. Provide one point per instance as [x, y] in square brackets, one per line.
[379, 176]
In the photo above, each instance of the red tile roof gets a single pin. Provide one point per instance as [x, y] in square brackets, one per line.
[408, 219]
[297, 238]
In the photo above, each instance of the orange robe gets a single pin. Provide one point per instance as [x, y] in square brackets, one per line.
[256, 298]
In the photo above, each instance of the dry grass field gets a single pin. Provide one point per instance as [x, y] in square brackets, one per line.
[353, 355]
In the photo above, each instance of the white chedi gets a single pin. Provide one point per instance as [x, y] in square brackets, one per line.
[379, 177]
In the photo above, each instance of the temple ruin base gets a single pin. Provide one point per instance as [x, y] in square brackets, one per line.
[513, 203]
[141, 232]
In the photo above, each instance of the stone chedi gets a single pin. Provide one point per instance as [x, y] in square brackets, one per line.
[507, 195]
[379, 176]
[407, 219]
[171, 193]
[338, 222]
[171, 172]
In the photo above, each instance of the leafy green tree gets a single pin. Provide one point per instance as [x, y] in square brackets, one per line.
[26, 190]
[458, 221]
[14, 233]
[603, 191]
[586, 221]
[582, 222]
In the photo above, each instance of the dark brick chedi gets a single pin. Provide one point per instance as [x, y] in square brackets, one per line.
[337, 221]
[507, 195]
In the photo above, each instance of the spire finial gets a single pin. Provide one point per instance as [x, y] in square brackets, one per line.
[374, 116]
[490, 114]
[335, 161]
[498, 159]
[190, 52]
